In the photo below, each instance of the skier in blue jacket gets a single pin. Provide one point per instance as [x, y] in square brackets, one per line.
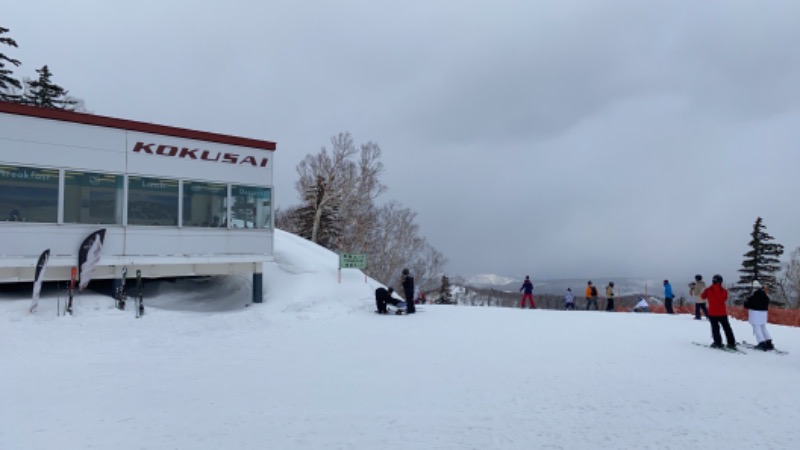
[668, 296]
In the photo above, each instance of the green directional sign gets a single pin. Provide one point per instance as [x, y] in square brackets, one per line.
[352, 261]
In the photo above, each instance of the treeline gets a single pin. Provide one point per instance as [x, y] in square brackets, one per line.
[40, 91]
[340, 210]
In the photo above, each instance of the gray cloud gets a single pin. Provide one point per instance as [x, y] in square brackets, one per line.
[560, 139]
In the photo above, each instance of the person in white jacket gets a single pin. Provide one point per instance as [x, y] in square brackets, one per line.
[569, 300]
[757, 308]
[696, 288]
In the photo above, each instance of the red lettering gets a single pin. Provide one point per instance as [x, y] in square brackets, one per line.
[142, 147]
[196, 153]
[204, 156]
[188, 152]
[167, 150]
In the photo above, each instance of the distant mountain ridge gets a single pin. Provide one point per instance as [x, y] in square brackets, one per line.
[622, 285]
[488, 279]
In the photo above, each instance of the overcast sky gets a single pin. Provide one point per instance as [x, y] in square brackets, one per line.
[552, 138]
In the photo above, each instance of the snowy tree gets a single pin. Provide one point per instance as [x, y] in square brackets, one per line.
[398, 244]
[318, 218]
[326, 179]
[790, 279]
[7, 82]
[761, 263]
[43, 93]
[339, 189]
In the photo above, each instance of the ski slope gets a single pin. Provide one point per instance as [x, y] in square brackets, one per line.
[314, 368]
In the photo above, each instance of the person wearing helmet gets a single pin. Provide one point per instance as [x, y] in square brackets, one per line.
[610, 296]
[668, 296]
[591, 296]
[718, 313]
[408, 289]
[695, 289]
[527, 293]
[569, 300]
[757, 309]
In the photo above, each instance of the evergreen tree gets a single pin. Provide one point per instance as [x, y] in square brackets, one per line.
[318, 218]
[445, 296]
[7, 82]
[761, 263]
[46, 94]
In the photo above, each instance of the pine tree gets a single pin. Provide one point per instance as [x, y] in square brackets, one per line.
[7, 82]
[46, 94]
[761, 263]
[321, 210]
[445, 296]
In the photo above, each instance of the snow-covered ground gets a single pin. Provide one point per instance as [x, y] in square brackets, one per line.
[314, 368]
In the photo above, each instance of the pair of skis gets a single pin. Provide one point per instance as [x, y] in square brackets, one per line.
[746, 345]
[723, 348]
[753, 347]
[122, 294]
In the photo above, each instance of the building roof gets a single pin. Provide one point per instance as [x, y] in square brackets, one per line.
[131, 125]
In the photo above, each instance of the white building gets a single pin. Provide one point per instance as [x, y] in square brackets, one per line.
[174, 202]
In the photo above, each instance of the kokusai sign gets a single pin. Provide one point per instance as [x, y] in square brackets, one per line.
[352, 261]
[172, 151]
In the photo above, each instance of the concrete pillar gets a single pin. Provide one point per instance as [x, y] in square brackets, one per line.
[258, 296]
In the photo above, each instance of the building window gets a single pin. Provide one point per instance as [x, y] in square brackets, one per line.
[204, 204]
[251, 207]
[92, 198]
[152, 201]
[28, 194]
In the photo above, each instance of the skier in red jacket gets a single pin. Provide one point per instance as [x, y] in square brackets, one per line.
[718, 313]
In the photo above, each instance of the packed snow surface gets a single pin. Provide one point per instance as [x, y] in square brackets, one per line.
[314, 368]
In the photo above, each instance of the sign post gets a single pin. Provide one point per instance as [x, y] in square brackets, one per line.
[351, 261]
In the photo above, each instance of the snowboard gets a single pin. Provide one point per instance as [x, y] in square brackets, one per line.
[397, 312]
[139, 298]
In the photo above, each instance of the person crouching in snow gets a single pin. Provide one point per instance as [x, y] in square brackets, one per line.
[642, 306]
[382, 298]
[757, 309]
[527, 286]
[718, 313]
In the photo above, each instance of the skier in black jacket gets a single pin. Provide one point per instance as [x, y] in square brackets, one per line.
[757, 305]
[408, 289]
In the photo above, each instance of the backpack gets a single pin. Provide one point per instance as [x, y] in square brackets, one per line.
[594, 291]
